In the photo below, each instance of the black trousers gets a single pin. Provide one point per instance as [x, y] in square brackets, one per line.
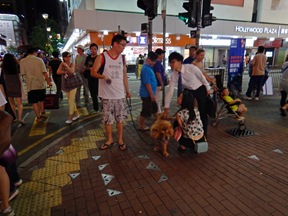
[93, 88]
[283, 98]
[255, 81]
[13, 175]
[200, 94]
[57, 81]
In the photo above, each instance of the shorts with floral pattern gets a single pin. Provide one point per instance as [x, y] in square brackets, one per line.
[114, 110]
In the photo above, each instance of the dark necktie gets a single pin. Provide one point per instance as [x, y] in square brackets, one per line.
[179, 91]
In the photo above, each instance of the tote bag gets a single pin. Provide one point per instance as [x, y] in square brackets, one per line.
[73, 81]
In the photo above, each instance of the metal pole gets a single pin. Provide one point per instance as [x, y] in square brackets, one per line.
[199, 5]
[150, 34]
[164, 59]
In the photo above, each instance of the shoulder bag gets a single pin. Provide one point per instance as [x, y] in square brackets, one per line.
[73, 81]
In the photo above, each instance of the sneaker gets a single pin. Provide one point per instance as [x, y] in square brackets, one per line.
[18, 183]
[256, 98]
[7, 212]
[75, 118]
[247, 98]
[68, 121]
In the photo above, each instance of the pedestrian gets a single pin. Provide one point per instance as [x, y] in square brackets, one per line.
[113, 83]
[79, 68]
[13, 85]
[200, 54]
[188, 119]
[258, 65]
[139, 64]
[189, 77]
[92, 81]
[65, 69]
[192, 55]
[5, 140]
[53, 66]
[35, 73]
[284, 88]
[148, 90]
[160, 76]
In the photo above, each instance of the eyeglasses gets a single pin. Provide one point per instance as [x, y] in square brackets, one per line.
[122, 44]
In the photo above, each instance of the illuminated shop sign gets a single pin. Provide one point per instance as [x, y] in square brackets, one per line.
[132, 40]
[142, 40]
[256, 30]
[156, 40]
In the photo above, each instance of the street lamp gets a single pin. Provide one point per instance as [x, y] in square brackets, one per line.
[45, 17]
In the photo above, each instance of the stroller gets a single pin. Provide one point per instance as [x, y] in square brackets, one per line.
[226, 110]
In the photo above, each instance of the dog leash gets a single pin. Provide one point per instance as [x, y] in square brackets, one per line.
[129, 103]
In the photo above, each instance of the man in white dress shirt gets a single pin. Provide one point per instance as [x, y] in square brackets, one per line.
[192, 80]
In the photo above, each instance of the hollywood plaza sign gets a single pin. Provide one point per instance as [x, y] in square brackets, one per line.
[256, 30]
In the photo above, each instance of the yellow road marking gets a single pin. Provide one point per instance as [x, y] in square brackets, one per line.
[54, 133]
[49, 136]
[39, 128]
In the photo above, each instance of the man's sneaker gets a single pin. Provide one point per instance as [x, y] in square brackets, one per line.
[7, 212]
[247, 98]
[18, 183]
[256, 98]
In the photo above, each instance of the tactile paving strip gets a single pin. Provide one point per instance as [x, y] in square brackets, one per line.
[43, 192]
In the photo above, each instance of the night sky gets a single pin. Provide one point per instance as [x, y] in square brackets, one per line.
[49, 7]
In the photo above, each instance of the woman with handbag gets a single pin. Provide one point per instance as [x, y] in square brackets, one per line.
[69, 85]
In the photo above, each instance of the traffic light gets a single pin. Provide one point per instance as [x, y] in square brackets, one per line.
[207, 17]
[189, 17]
[149, 6]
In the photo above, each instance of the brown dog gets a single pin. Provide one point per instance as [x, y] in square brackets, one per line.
[161, 131]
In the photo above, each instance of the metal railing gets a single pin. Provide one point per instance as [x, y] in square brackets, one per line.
[221, 75]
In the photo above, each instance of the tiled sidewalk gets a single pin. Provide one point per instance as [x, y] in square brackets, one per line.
[237, 176]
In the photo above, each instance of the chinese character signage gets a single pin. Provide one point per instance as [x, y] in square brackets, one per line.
[236, 58]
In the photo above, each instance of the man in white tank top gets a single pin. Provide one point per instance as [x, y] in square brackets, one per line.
[110, 69]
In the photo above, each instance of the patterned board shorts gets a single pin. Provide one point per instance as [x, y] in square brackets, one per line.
[114, 110]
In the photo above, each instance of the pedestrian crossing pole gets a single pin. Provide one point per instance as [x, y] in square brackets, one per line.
[150, 34]
[199, 6]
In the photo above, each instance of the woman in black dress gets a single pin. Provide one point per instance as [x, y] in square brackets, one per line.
[11, 73]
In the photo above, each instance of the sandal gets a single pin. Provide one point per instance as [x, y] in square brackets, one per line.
[106, 146]
[122, 147]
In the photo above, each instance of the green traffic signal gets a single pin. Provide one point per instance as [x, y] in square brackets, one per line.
[184, 17]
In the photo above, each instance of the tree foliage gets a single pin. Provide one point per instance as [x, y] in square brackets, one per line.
[44, 40]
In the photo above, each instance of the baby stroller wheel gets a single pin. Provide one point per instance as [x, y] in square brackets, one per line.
[242, 125]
